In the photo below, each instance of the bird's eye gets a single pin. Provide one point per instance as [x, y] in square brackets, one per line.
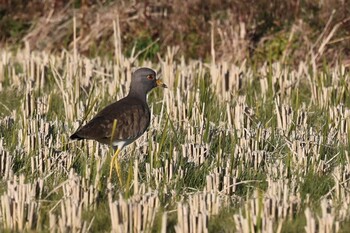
[150, 77]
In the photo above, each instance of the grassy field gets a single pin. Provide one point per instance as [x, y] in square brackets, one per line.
[231, 148]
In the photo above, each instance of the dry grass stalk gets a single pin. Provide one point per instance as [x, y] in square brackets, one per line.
[266, 210]
[324, 223]
[77, 196]
[135, 214]
[61, 92]
[19, 206]
[194, 214]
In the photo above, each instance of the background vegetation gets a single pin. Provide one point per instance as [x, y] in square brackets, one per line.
[251, 136]
[255, 30]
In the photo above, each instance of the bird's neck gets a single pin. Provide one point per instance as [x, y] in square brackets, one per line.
[138, 94]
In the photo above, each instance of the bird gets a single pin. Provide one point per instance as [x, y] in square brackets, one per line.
[122, 122]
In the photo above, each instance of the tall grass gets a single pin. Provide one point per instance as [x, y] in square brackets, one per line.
[230, 148]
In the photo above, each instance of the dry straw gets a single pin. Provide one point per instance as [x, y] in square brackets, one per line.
[196, 160]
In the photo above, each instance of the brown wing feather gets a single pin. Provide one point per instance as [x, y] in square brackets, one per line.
[132, 117]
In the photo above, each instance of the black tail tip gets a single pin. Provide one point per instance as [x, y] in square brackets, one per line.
[74, 137]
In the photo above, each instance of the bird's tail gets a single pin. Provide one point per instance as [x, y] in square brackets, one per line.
[75, 136]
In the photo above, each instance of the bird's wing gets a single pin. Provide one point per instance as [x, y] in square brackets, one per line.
[131, 121]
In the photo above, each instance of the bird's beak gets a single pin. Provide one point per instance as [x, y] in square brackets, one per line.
[161, 84]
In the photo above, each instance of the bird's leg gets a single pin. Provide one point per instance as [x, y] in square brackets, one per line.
[111, 167]
[117, 167]
[115, 162]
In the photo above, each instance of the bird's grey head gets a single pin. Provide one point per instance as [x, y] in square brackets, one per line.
[144, 80]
